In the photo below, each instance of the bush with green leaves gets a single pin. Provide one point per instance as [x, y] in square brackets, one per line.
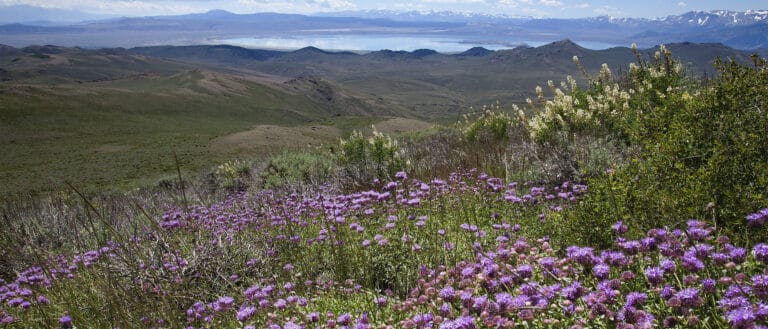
[232, 174]
[491, 126]
[298, 168]
[702, 150]
[363, 159]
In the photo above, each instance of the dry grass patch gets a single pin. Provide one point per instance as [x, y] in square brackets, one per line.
[271, 136]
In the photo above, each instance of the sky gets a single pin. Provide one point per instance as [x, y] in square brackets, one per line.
[535, 8]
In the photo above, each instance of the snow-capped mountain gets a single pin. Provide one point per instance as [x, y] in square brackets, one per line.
[718, 18]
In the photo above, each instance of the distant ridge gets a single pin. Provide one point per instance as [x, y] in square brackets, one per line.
[314, 50]
[223, 54]
[421, 53]
[563, 46]
[475, 52]
[563, 49]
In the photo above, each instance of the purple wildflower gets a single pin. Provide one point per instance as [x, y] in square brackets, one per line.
[760, 251]
[65, 321]
[572, 292]
[708, 285]
[504, 300]
[619, 228]
[464, 322]
[223, 304]
[245, 312]
[6, 319]
[762, 311]
[758, 219]
[689, 297]
[742, 317]
[447, 293]
[691, 263]
[655, 275]
[42, 300]
[479, 302]
[581, 255]
[668, 265]
[291, 325]
[760, 285]
[636, 299]
[344, 319]
[738, 255]
[667, 292]
[445, 309]
[313, 317]
[601, 271]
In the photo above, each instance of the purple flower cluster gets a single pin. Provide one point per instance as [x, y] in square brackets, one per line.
[454, 253]
[758, 219]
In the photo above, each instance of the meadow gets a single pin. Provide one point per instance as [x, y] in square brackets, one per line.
[636, 201]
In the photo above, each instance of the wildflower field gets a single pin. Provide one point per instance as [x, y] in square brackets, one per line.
[637, 202]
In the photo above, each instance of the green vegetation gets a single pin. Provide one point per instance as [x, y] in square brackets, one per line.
[636, 201]
[362, 160]
[698, 151]
[298, 168]
[125, 133]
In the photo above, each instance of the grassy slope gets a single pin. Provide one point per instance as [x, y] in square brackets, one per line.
[117, 132]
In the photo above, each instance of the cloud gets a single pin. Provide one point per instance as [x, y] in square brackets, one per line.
[120, 7]
[682, 4]
[295, 6]
[453, 1]
[608, 11]
[551, 3]
[514, 3]
[582, 6]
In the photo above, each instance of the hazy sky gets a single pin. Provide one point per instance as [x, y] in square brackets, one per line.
[542, 8]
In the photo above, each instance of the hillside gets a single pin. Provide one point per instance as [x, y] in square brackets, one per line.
[72, 113]
[110, 119]
[441, 85]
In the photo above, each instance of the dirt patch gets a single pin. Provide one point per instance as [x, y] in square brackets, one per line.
[271, 136]
[401, 125]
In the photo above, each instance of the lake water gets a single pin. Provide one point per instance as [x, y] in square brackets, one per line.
[368, 43]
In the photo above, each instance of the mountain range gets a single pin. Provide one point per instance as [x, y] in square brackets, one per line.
[423, 83]
[740, 30]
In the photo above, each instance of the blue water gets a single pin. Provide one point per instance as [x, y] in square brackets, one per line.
[374, 42]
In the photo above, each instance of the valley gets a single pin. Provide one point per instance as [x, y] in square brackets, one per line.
[115, 117]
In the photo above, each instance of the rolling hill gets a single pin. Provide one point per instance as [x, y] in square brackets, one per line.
[108, 119]
[440, 85]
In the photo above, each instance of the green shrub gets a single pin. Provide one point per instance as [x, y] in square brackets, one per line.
[232, 174]
[703, 151]
[492, 126]
[298, 168]
[361, 159]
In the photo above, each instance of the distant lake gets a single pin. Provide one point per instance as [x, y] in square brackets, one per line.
[374, 42]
